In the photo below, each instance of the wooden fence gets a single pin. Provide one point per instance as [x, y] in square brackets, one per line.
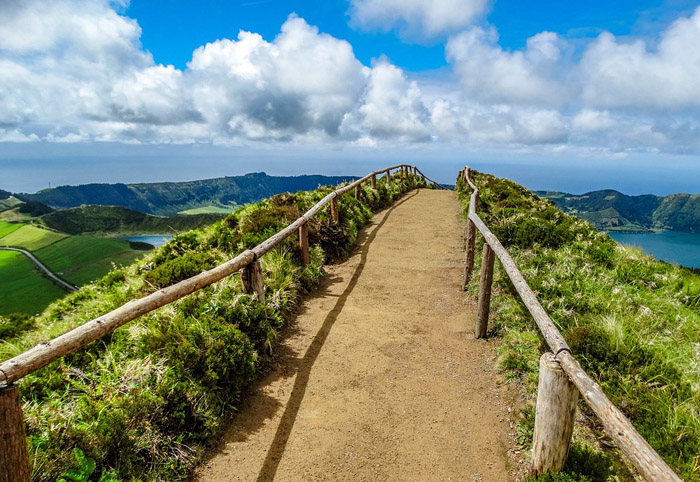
[14, 459]
[561, 377]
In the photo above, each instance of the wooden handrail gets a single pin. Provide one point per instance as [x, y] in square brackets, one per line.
[642, 456]
[44, 353]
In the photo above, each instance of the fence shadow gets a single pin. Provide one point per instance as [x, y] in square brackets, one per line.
[279, 443]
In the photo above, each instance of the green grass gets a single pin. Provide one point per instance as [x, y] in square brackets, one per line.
[31, 238]
[208, 210]
[7, 228]
[631, 321]
[23, 289]
[145, 401]
[83, 259]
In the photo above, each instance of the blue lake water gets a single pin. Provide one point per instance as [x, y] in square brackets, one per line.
[671, 246]
[153, 239]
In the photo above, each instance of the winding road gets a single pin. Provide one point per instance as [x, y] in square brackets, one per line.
[43, 268]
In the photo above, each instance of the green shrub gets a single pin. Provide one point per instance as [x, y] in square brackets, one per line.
[178, 269]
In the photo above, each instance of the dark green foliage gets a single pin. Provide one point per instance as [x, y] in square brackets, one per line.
[178, 269]
[34, 208]
[14, 324]
[632, 322]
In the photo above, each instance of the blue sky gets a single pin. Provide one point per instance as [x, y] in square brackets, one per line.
[89, 89]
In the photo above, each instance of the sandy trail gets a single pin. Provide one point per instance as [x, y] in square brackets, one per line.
[380, 377]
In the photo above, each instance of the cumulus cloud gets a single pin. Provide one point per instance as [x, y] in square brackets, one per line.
[75, 71]
[416, 18]
[529, 76]
[302, 81]
[635, 75]
[392, 106]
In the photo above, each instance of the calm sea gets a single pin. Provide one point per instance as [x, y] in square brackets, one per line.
[671, 246]
[154, 240]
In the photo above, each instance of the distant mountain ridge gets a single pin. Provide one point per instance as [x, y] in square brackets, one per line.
[169, 198]
[611, 210]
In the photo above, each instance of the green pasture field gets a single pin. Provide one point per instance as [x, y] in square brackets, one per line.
[7, 228]
[31, 238]
[23, 289]
[82, 259]
[208, 210]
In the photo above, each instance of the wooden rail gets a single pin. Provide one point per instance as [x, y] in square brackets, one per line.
[14, 460]
[554, 416]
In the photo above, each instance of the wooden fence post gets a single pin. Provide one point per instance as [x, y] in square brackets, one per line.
[358, 191]
[388, 178]
[554, 417]
[304, 243]
[334, 209]
[374, 181]
[482, 310]
[252, 279]
[471, 248]
[14, 457]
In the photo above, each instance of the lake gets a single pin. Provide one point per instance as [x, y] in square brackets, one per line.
[671, 246]
[152, 239]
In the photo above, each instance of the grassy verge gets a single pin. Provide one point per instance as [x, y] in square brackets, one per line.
[631, 321]
[144, 401]
[23, 289]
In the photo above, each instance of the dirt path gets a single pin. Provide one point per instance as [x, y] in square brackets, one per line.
[380, 377]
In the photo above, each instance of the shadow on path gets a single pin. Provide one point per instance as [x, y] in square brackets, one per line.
[279, 443]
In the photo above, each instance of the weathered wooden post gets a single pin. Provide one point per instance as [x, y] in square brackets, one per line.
[14, 457]
[358, 191]
[304, 243]
[334, 209]
[373, 181]
[554, 417]
[482, 310]
[252, 279]
[388, 178]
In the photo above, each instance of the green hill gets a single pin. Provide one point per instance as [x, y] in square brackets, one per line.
[117, 220]
[611, 210]
[169, 198]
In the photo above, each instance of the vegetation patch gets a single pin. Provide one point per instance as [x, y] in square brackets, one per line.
[31, 238]
[23, 289]
[83, 259]
[7, 228]
[631, 321]
[143, 402]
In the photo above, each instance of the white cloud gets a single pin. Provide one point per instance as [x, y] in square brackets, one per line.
[392, 106]
[75, 71]
[637, 76]
[491, 74]
[416, 18]
[300, 82]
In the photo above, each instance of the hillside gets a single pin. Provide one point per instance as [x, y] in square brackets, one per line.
[611, 210]
[117, 220]
[631, 321]
[170, 198]
[76, 259]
